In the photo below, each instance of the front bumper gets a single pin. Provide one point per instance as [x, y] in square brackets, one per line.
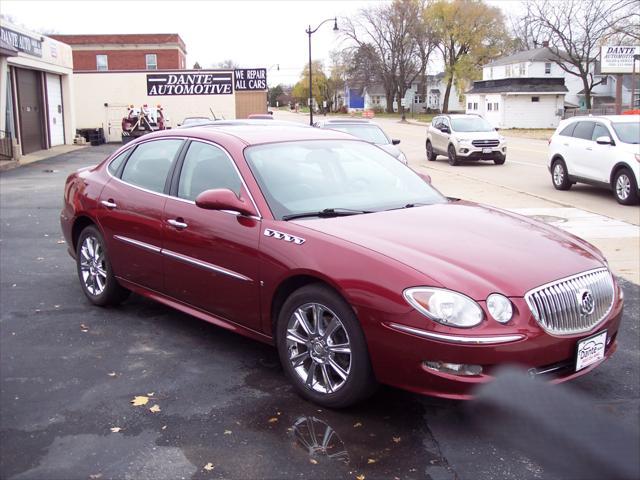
[398, 356]
[471, 152]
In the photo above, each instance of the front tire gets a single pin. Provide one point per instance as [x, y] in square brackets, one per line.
[625, 188]
[560, 175]
[322, 348]
[94, 270]
[500, 160]
[453, 156]
[431, 155]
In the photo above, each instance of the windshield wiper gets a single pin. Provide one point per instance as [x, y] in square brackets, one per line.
[326, 213]
[409, 205]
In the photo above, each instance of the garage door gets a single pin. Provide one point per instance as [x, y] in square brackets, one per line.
[54, 109]
[30, 108]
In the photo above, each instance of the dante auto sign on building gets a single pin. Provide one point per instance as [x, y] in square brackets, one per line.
[618, 58]
[21, 42]
[251, 79]
[200, 83]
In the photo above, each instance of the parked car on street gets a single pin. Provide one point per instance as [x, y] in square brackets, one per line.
[464, 137]
[190, 121]
[366, 130]
[602, 151]
[346, 260]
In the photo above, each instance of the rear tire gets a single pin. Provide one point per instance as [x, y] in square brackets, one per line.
[316, 327]
[560, 175]
[94, 270]
[453, 157]
[625, 188]
[431, 155]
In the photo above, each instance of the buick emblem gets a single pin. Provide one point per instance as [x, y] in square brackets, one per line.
[586, 301]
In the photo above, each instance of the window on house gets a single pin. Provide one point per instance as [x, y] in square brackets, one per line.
[475, 105]
[535, 99]
[604, 80]
[417, 99]
[507, 71]
[490, 73]
[547, 68]
[495, 106]
[151, 60]
[522, 69]
[375, 99]
[469, 106]
[102, 63]
[489, 107]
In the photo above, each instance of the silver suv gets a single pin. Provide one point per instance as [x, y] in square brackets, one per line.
[464, 137]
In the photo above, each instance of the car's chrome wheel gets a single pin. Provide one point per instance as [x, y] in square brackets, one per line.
[623, 187]
[318, 348]
[93, 265]
[558, 174]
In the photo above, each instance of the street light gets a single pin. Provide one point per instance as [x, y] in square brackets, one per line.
[309, 32]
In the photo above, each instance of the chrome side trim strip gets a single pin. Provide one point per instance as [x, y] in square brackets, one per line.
[461, 339]
[137, 243]
[205, 265]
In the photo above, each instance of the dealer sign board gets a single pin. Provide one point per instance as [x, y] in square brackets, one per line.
[618, 59]
[201, 82]
[251, 79]
[21, 42]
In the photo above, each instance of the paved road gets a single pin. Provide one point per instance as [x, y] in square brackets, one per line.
[68, 371]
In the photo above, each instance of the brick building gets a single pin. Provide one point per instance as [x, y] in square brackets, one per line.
[126, 52]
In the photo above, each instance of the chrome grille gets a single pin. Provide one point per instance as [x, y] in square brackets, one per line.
[559, 307]
[485, 143]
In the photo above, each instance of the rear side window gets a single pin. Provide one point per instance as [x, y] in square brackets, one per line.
[150, 163]
[584, 130]
[207, 167]
[116, 162]
[568, 130]
[600, 131]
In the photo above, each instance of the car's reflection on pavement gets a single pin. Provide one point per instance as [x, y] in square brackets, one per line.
[319, 440]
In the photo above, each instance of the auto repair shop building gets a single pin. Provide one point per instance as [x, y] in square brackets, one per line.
[103, 97]
[36, 92]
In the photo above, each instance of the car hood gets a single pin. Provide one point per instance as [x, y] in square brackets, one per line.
[466, 247]
[493, 135]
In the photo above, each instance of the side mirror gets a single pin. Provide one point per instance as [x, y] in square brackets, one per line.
[223, 199]
[426, 178]
[497, 129]
[445, 129]
[395, 142]
[604, 140]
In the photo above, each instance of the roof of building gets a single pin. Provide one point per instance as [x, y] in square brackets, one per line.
[519, 85]
[542, 54]
[119, 39]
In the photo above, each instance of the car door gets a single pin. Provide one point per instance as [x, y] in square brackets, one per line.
[602, 158]
[133, 203]
[443, 136]
[211, 257]
[578, 154]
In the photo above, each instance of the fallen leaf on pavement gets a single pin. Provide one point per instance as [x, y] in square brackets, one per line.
[397, 439]
[357, 424]
[115, 429]
[208, 467]
[228, 432]
[155, 408]
[150, 394]
[360, 477]
[112, 374]
[313, 460]
[84, 328]
[371, 460]
[139, 400]
[60, 242]
[273, 419]
[164, 427]
[94, 476]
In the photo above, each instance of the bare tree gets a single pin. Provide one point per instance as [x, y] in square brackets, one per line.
[576, 29]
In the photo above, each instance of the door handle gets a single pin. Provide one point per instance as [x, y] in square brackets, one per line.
[110, 204]
[177, 223]
[565, 144]
[589, 148]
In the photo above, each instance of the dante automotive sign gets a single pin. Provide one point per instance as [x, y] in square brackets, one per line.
[21, 42]
[618, 59]
[251, 79]
[193, 83]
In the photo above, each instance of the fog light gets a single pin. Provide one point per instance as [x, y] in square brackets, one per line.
[454, 368]
[464, 150]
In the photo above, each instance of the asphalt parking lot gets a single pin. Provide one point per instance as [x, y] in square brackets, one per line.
[68, 373]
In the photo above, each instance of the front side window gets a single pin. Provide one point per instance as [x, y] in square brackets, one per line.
[584, 130]
[313, 175]
[600, 131]
[151, 60]
[207, 167]
[628, 132]
[102, 63]
[149, 164]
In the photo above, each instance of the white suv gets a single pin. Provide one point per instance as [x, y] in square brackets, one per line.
[603, 151]
[464, 137]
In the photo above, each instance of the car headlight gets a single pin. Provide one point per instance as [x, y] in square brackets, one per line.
[502, 139]
[444, 306]
[402, 158]
[499, 307]
[463, 140]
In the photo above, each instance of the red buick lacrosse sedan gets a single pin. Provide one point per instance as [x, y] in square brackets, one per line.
[344, 258]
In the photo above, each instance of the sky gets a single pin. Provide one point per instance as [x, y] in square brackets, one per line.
[252, 33]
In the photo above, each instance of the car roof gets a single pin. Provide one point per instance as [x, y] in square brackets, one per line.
[253, 133]
[609, 118]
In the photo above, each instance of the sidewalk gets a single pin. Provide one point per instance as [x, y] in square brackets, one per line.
[40, 155]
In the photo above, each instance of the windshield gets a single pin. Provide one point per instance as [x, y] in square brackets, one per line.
[310, 176]
[368, 133]
[471, 124]
[628, 132]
